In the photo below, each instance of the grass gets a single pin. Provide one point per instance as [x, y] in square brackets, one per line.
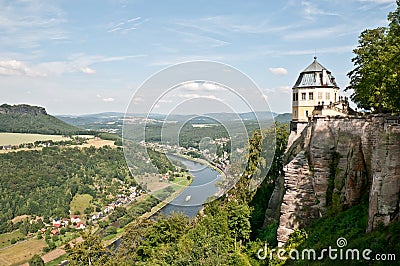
[22, 252]
[20, 138]
[63, 239]
[57, 261]
[80, 202]
[5, 239]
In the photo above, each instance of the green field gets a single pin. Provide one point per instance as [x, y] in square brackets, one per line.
[80, 203]
[5, 239]
[20, 138]
[57, 261]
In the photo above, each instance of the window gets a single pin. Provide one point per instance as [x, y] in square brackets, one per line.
[327, 95]
[295, 97]
[311, 96]
[306, 113]
[319, 95]
[303, 96]
[335, 98]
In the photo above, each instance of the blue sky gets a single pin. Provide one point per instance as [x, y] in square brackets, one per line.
[77, 57]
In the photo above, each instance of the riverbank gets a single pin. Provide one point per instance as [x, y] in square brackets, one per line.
[202, 161]
[182, 205]
[147, 215]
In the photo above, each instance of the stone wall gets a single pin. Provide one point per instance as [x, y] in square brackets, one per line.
[332, 164]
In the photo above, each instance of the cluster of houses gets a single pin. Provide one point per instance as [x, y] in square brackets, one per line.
[27, 145]
[57, 223]
[76, 222]
[221, 161]
[9, 147]
[121, 200]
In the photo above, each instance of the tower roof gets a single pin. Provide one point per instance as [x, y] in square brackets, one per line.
[314, 66]
[315, 75]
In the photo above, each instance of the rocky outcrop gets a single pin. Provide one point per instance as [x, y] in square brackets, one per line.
[332, 164]
[22, 109]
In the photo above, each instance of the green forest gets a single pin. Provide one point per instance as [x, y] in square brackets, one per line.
[231, 230]
[225, 234]
[31, 119]
[44, 182]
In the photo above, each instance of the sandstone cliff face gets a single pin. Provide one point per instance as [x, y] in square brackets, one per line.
[332, 164]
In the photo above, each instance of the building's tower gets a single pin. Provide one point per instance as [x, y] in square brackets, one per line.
[315, 87]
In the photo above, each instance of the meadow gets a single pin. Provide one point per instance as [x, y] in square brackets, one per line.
[22, 252]
[80, 202]
[21, 138]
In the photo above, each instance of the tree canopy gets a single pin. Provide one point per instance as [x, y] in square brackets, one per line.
[36, 260]
[375, 80]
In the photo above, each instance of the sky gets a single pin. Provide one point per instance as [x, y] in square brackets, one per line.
[81, 57]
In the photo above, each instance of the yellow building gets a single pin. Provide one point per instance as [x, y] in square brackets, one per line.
[315, 86]
[316, 94]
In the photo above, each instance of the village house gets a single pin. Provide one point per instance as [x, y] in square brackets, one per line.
[57, 222]
[36, 220]
[65, 221]
[75, 219]
[80, 226]
[54, 232]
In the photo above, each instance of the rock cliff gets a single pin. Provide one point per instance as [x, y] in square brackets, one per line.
[22, 109]
[332, 164]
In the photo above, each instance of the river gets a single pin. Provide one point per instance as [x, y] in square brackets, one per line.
[203, 186]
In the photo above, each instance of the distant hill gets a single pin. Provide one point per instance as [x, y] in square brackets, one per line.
[25, 118]
[283, 118]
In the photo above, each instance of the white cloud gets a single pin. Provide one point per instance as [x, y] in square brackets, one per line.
[17, 68]
[195, 95]
[107, 100]
[310, 11]
[278, 90]
[378, 1]
[201, 86]
[211, 86]
[126, 25]
[12, 67]
[190, 86]
[278, 71]
[199, 39]
[27, 24]
[235, 24]
[137, 100]
[87, 70]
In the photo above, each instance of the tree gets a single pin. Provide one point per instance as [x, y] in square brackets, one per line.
[89, 252]
[375, 79]
[111, 230]
[239, 221]
[36, 260]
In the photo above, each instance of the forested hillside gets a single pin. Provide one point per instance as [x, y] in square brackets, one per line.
[226, 234]
[44, 182]
[32, 119]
